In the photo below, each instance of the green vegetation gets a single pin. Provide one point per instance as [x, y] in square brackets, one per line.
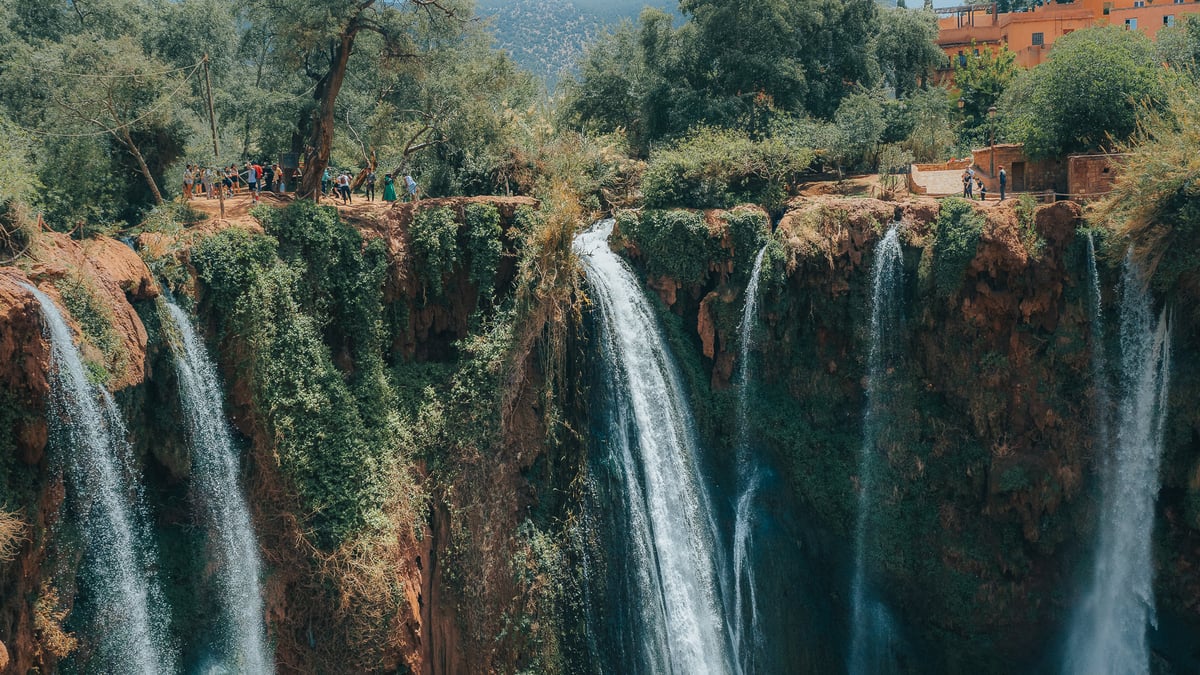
[1086, 95]
[1154, 205]
[97, 323]
[484, 245]
[959, 226]
[434, 235]
[713, 168]
[982, 78]
[675, 244]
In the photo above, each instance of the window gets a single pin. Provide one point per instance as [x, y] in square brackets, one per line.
[1169, 21]
[1039, 39]
[1107, 8]
[1179, 2]
[1131, 24]
[1139, 3]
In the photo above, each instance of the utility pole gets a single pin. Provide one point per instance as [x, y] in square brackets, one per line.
[212, 120]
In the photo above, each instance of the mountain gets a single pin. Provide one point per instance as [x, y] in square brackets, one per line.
[548, 36]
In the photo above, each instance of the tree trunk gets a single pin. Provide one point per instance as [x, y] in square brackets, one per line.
[137, 154]
[316, 154]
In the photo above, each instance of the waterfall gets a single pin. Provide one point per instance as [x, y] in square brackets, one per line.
[653, 445]
[126, 609]
[215, 478]
[748, 480]
[872, 632]
[1109, 630]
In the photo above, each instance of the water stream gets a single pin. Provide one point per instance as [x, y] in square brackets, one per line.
[651, 441]
[126, 613]
[872, 630]
[234, 549]
[1109, 631]
[747, 631]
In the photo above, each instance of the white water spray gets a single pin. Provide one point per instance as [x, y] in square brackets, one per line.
[748, 481]
[1108, 635]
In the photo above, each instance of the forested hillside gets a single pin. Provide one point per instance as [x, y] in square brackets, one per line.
[547, 36]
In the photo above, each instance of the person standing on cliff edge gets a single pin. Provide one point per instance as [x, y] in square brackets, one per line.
[1003, 183]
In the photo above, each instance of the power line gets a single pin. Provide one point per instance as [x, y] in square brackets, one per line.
[108, 76]
[170, 97]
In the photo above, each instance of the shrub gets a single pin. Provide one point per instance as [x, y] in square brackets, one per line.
[959, 227]
[434, 235]
[675, 244]
[748, 228]
[713, 168]
[228, 260]
[96, 321]
[484, 245]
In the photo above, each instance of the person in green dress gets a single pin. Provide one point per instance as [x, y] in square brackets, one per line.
[389, 188]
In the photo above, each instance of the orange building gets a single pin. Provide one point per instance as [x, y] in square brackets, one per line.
[1031, 33]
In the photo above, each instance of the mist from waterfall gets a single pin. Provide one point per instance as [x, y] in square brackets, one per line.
[1109, 630]
[747, 631]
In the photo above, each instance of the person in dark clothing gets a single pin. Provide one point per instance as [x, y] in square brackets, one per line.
[268, 177]
[1003, 183]
[370, 185]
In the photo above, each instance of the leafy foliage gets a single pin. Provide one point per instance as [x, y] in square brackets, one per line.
[1088, 91]
[331, 432]
[675, 244]
[434, 235]
[982, 78]
[1154, 205]
[720, 168]
[484, 245]
[959, 227]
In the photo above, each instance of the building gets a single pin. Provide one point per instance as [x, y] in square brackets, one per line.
[1031, 33]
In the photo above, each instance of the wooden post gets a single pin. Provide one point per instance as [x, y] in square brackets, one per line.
[212, 120]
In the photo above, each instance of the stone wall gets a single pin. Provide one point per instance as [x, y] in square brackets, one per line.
[1092, 176]
[1024, 175]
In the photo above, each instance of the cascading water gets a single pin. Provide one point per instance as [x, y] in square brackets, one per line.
[872, 633]
[125, 606]
[1109, 630]
[746, 614]
[652, 439]
[215, 477]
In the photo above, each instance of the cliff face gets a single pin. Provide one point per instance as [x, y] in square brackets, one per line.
[433, 584]
[102, 279]
[989, 481]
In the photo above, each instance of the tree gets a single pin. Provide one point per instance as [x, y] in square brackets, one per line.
[907, 47]
[1155, 203]
[115, 88]
[320, 37]
[982, 79]
[932, 136]
[1179, 46]
[1086, 95]
[860, 125]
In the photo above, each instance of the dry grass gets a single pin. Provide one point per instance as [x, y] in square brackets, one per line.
[12, 535]
[1162, 165]
[548, 297]
[48, 616]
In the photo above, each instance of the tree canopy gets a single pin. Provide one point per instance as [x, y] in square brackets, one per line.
[1086, 95]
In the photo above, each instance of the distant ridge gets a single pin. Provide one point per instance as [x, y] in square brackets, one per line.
[547, 37]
